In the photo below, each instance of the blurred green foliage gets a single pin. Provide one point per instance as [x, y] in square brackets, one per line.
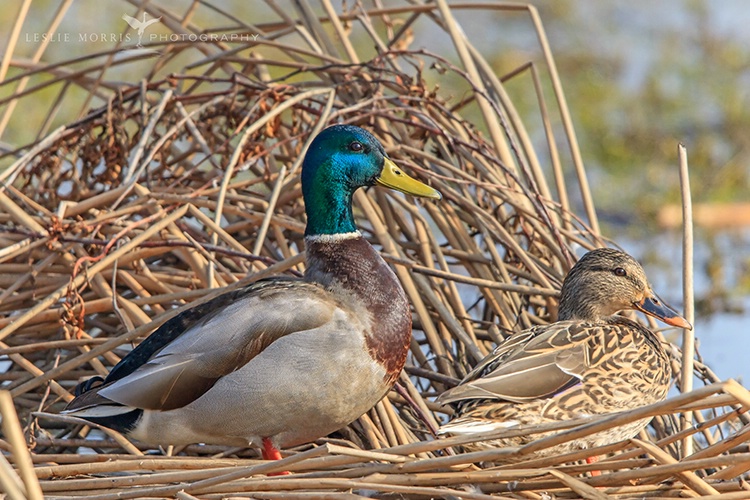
[640, 79]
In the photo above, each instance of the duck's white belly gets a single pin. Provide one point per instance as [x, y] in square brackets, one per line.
[303, 386]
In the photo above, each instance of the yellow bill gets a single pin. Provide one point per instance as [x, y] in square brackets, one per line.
[395, 178]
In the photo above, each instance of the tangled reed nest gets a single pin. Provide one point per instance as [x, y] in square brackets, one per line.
[188, 183]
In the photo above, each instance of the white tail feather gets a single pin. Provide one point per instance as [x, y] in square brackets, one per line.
[474, 426]
[99, 411]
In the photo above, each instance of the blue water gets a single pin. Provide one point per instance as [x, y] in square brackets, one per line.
[723, 343]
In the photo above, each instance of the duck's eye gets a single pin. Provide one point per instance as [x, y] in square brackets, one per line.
[620, 271]
[356, 147]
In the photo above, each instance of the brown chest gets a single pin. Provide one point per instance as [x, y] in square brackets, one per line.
[353, 268]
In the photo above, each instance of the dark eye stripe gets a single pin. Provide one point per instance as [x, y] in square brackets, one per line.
[633, 279]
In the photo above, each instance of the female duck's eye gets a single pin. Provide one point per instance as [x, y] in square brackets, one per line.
[620, 271]
[356, 146]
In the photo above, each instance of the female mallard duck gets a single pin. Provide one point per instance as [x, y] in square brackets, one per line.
[282, 361]
[590, 362]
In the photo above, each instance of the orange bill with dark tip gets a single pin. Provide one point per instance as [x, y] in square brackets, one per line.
[654, 307]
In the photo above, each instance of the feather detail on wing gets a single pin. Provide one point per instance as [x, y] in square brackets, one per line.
[530, 365]
[186, 356]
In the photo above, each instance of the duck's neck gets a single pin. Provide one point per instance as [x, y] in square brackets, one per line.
[348, 266]
[329, 209]
[596, 308]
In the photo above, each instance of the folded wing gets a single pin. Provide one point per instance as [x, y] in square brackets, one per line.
[184, 358]
[533, 364]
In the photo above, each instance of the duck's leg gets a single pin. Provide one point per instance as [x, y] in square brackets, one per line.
[269, 450]
[591, 460]
[271, 453]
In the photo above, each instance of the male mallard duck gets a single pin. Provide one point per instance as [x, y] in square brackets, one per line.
[282, 361]
[590, 362]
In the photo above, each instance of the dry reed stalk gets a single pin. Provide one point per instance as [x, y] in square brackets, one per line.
[188, 181]
[14, 434]
[688, 299]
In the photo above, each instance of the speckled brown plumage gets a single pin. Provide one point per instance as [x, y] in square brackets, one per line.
[588, 363]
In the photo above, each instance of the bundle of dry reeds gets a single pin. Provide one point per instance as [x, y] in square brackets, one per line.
[188, 183]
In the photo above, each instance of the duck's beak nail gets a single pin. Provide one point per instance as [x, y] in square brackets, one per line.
[653, 307]
[395, 178]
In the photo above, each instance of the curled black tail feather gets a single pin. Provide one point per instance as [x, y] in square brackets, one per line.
[87, 385]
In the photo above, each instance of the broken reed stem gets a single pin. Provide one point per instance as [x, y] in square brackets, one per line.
[228, 144]
[688, 292]
[695, 483]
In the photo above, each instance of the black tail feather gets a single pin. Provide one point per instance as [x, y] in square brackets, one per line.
[122, 422]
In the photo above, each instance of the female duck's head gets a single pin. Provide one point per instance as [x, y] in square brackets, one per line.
[605, 281]
[341, 159]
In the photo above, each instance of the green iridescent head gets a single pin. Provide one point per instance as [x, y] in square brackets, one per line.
[340, 160]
